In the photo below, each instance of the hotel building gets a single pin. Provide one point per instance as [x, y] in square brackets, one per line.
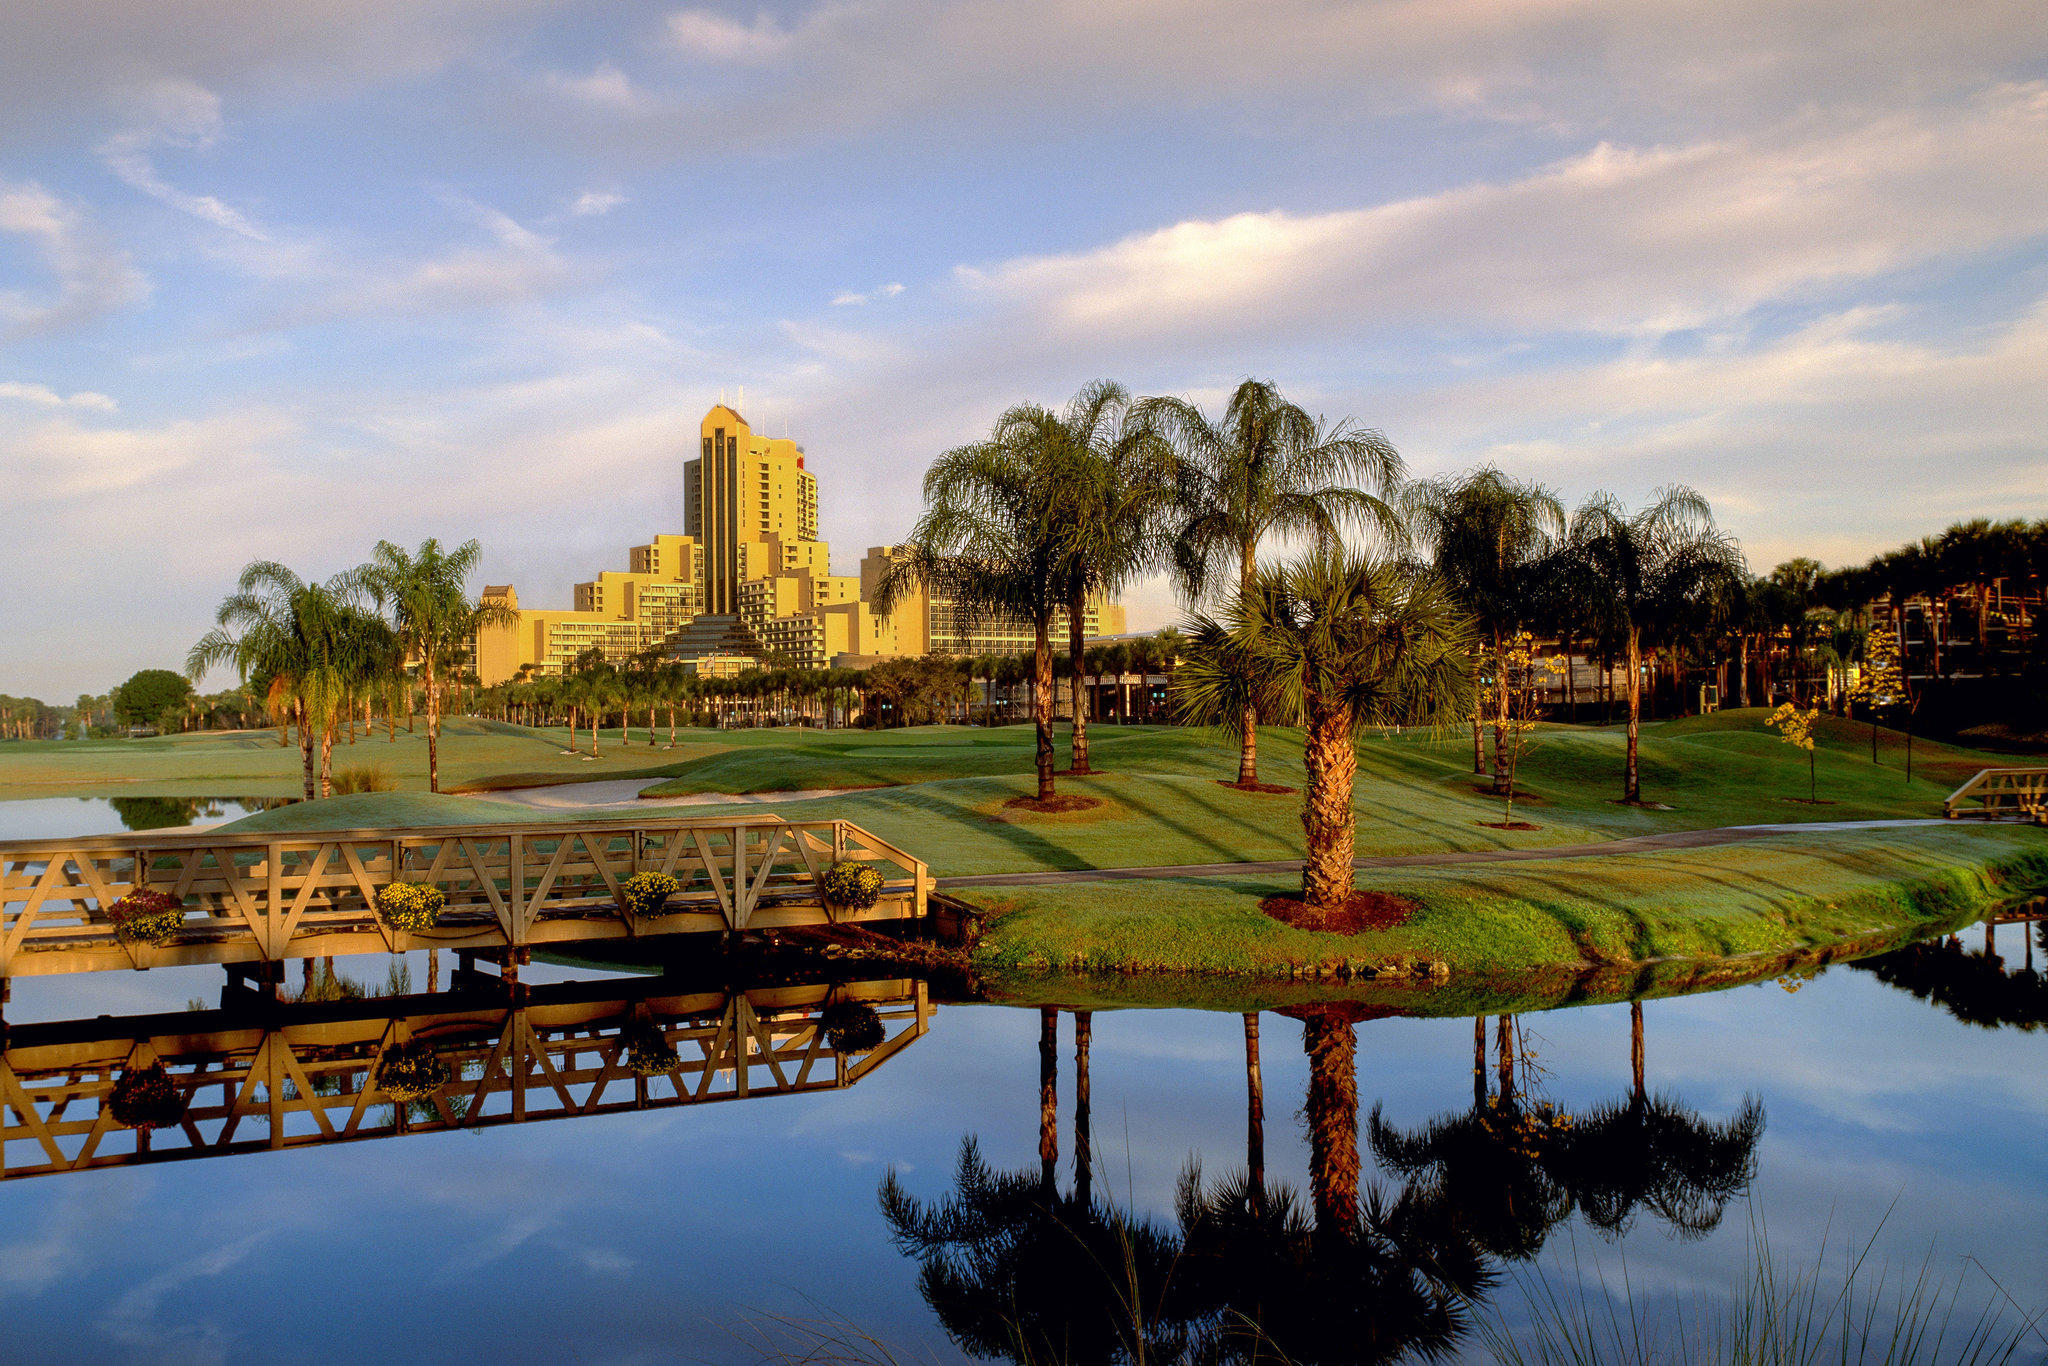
[748, 580]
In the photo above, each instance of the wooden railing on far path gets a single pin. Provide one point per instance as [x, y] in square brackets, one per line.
[304, 1076]
[266, 897]
[2003, 791]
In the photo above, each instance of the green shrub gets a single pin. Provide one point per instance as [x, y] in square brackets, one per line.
[647, 1052]
[411, 1070]
[361, 778]
[851, 1027]
[146, 1098]
[647, 894]
[411, 906]
[850, 885]
[146, 917]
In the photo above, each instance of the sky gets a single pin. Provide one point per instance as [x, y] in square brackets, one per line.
[277, 282]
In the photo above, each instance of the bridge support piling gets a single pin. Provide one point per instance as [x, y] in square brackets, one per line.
[258, 983]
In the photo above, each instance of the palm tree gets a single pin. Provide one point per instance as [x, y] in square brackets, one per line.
[1656, 567]
[990, 540]
[1112, 478]
[1340, 641]
[426, 592]
[1265, 468]
[1490, 537]
[312, 640]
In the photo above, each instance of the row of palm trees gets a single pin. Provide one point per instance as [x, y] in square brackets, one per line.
[1053, 507]
[394, 630]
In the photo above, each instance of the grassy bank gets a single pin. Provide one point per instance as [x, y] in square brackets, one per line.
[1769, 896]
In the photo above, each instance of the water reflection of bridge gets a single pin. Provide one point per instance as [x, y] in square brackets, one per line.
[292, 1076]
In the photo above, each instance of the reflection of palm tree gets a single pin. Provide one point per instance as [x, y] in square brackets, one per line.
[1656, 1153]
[1369, 1279]
[1255, 1114]
[1015, 1270]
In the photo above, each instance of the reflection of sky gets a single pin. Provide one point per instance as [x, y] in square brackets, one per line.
[655, 1236]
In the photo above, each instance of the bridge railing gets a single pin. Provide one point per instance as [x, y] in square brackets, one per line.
[269, 896]
[2020, 791]
[287, 1083]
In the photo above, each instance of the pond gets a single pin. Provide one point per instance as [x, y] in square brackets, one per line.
[44, 817]
[730, 1203]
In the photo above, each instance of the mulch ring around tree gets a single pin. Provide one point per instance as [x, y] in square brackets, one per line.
[1365, 911]
[1521, 794]
[1508, 825]
[1271, 789]
[1060, 804]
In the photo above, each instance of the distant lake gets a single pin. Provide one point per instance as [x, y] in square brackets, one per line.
[44, 817]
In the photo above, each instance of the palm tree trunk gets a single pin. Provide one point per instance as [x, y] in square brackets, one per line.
[1248, 747]
[1332, 1113]
[1076, 652]
[1332, 763]
[1501, 776]
[1084, 1030]
[1041, 705]
[1742, 674]
[327, 759]
[1255, 1114]
[433, 724]
[1632, 788]
[299, 711]
[1478, 750]
[1478, 1061]
[1635, 1046]
[1048, 1097]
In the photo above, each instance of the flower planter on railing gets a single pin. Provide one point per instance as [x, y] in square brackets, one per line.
[850, 885]
[145, 1098]
[411, 907]
[146, 917]
[645, 895]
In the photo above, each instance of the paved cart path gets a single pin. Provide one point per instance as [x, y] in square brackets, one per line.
[1633, 844]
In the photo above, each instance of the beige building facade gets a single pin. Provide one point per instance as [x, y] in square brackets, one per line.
[748, 566]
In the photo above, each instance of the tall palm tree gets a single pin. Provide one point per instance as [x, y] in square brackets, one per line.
[1338, 641]
[426, 592]
[1112, 478]
[1490, 537]
[1656, 567]
[1265, 468]
[990, 540]
[313, 640]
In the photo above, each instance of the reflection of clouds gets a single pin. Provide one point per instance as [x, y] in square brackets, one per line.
[132, 1320]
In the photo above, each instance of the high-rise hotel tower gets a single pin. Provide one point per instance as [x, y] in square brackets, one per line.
[751, 506]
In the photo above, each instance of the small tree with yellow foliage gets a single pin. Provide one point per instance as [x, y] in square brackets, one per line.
[1517, 665]
[1795, 728]
[1881, 682]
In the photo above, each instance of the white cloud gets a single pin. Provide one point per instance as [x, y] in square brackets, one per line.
[606, 87]
[713, 37]
[183, 115]
[92, 278]
[1617, 241]
[43, 396]
[847, 298]
[595, 202]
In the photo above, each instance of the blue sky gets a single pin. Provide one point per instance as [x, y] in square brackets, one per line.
[278, 282]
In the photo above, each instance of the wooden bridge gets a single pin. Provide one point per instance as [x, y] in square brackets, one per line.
[263, 898]
[300, 1075]
[2003, 792]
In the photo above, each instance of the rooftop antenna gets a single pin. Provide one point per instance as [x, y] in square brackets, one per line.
[721, 395]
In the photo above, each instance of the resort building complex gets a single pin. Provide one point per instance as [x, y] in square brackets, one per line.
[747, 582]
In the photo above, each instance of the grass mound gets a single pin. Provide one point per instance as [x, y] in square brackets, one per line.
[380, 810]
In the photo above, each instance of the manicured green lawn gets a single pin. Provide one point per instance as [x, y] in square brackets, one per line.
[1771, 895]
[941, 793]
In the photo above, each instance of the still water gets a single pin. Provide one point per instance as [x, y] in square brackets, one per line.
[1896, 1105]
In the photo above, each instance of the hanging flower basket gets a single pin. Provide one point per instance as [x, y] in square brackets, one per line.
[411, 906]
[648, 1053]
[146, 917]
[411, 1070]
[850, 885]
[146, 1098]
[646, 894]
[852, 1028]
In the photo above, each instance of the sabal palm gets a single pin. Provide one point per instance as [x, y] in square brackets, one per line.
[1265, 468]
[313, 640]
[1334, 641]
[990, 541]
[1113, 482]
[1489, 536]
[426, 592]
[1659, 568]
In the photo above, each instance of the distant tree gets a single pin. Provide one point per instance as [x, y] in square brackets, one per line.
[148, 694]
